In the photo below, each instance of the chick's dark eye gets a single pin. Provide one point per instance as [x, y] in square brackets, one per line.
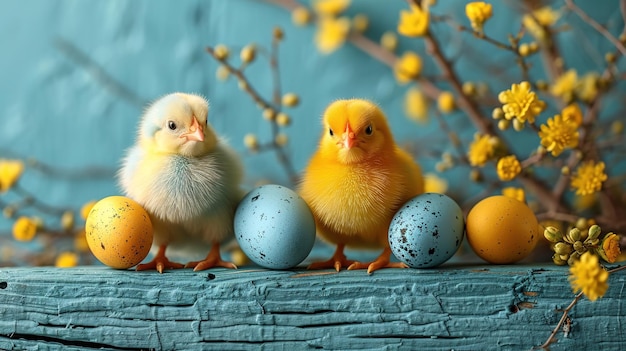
[171, 125]
[369, 130]
[330, 131]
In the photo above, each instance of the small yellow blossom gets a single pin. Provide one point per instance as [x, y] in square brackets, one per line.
[559, 134]
[66, 260]
[407, 67]
[389, 41]
[84, 211]
[239, 258]
[481, 149]
[610, 250]
[584, 202]
[330, 7]
[248, 53]
[251, 141]
[290, 100]
[508, 168]
[414, 23]
[222, 73]
[521, 103]
[416, 105]
[269, 114]
[281, 139]
[565, 85]
[514, 193]
[24, 229]
[573, 113]
[434, 184]
[301, 16]
[478, 12]
[283, 119]
[587, 87]
[10, 172]
[80, 241]
[331, 33]
[588, 178]
[445, 102]
[221, 52]
[617, 127]
[360, 23]
[538, 20]
[67, 220]
[587, 275]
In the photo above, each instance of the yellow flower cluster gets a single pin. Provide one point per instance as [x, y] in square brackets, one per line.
[332, 30]
[588, 178]
[537, 21]
[521, 103]
[330, 7]
[331, 34]
[66, 260]
[508, 168]
[565, 85]
[481, 149]
[414, 23]
[478, 12]
[408, 67]
[514, 193]
[10, 172]
[559, 133]
[587, 275]
[445, 102]
[416, 105]
[25, 228]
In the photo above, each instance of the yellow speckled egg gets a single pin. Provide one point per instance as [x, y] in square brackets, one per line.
[501, 230]
[119, 232]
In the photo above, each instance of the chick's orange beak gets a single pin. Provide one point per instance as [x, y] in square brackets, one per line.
[348, 137]
[196, 131]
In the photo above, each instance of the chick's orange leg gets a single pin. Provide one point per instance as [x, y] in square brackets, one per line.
[381, 262]
[159, 262]
[337, 261]
[213, 259]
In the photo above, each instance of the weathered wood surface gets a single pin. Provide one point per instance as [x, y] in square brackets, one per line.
[456, 307]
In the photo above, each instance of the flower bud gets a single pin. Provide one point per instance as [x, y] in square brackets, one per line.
[579, 247]
[558, 261]
[553, 234]
[562, 248]
[594, 232]
[248, 53]
[573, 235]
[221, 52]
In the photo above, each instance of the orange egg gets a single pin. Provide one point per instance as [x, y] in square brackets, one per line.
[502, 230]
[119, 232]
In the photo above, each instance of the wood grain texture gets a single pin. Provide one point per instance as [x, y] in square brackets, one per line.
[455, 307]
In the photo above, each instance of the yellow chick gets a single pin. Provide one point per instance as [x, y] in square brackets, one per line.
[356, 181]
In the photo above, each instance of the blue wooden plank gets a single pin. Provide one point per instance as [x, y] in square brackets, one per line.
[453, 307]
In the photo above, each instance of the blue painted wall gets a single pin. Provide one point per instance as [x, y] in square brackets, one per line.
[57, 110]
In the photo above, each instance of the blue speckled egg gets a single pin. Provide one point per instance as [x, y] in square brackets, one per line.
[427, 230]
[274, 227]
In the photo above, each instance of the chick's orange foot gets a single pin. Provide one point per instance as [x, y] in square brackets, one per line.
[213, 259]
[338, 261]
[159, 262]
[382, 261]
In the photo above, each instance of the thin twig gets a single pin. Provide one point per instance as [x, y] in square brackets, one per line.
[560, 324]
[566, 311]
[246, 86]
[99, 73]
[599, 28]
